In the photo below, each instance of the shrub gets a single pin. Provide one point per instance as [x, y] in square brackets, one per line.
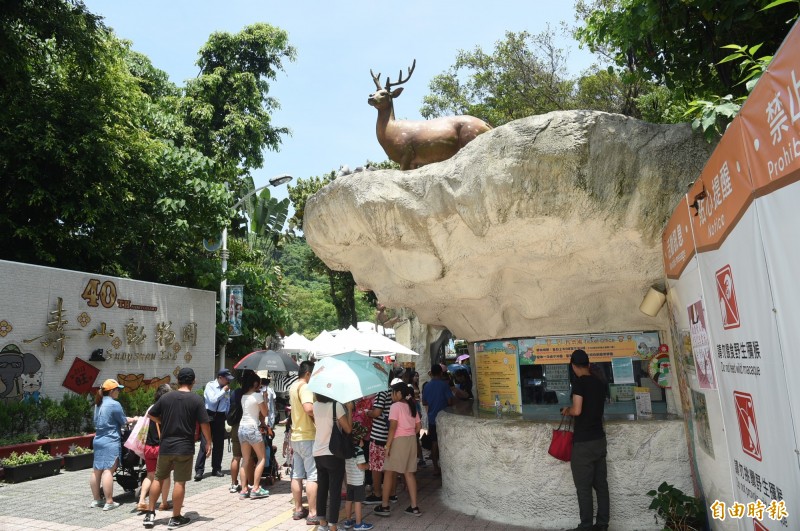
[78, 450]
[136, 402]
[26, 458]
[18, 439]
[54, 416]
[79, 413]
[23, 416]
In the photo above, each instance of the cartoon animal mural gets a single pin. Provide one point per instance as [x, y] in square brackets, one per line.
[13, 364]
[31, 387]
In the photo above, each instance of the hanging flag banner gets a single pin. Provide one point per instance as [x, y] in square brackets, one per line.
[235, 306]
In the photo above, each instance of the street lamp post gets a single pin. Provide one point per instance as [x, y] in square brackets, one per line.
[223, 286]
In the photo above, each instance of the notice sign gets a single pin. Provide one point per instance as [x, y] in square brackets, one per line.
[644, 407]
[727, 298]
[700, 347]
[497, 366]
[600, 348]
[623, 370]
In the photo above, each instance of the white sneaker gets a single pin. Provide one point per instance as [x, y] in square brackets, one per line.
[110, 506]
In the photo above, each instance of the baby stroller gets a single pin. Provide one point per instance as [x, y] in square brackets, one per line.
[131, 470]
[272, 471]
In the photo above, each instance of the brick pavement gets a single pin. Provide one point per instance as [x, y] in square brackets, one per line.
[61, 503]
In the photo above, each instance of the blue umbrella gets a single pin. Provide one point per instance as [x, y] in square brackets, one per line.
[349, 376]
[453, 367]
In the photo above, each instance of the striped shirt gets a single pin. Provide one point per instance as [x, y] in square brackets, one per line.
[355, 476]
[380, 425]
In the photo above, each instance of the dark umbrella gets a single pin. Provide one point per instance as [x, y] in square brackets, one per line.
[267, 360]
[453, 367]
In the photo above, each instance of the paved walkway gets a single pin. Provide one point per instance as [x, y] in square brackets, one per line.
[61, 503]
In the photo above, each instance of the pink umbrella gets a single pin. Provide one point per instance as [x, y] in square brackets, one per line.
[462, 358]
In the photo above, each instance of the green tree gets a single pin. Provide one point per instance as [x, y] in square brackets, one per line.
[678, 43]
[228, 106]
[85, 183]
[341, 285]
[525, 75]
[683, 47]
[106, 166]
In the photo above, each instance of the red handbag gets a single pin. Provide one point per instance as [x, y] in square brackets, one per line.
[561, 445]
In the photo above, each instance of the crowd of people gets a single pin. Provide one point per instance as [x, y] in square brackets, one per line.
[384, 429]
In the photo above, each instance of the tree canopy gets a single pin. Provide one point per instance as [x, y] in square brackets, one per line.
[108, 167]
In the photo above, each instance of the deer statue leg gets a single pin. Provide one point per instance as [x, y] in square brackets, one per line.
[406, 161]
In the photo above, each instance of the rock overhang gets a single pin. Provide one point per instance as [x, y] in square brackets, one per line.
[546, 225]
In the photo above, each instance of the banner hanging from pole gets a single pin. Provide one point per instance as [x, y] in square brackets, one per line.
[235, 306]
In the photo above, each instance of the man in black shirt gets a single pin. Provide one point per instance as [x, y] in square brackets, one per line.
[178, 412]
[589, 443]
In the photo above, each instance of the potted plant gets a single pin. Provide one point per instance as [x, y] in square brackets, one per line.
[677, 510]
[25, 466]
[78, 458]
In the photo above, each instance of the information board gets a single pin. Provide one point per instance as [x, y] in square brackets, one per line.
[498, 375]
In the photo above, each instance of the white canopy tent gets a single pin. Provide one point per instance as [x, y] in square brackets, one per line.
[367, 326]
[367, 342]
[296, 343]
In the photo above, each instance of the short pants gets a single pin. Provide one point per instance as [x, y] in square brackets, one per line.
[250, 435]
[151, 458]
[303, 464]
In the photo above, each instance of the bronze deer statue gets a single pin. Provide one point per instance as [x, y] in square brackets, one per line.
[415, 143]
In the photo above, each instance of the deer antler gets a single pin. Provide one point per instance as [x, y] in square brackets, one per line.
[400, 79]
[376, 79]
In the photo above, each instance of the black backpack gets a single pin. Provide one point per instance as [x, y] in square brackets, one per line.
[234, 415]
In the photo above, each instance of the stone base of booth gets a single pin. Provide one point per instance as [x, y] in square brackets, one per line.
[500, 470]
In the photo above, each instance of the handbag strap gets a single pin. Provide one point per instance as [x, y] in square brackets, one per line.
[335, 420]
[569, 424]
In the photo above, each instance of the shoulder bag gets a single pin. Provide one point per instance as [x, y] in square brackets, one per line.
[340, 445]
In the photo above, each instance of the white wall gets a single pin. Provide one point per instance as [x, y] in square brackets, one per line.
[30, 297]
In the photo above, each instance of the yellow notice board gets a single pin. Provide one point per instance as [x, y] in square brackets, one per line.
[602, 347]
[497, 366]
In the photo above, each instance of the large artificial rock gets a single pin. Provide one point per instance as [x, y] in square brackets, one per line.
[547, 225]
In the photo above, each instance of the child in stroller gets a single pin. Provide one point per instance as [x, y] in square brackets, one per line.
[131, 470]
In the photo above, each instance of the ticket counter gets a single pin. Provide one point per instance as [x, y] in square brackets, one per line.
[499, 468]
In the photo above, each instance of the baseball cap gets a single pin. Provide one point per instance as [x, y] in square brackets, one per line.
[226, 373]
[579, 357]
[110, 385]
[186, 376]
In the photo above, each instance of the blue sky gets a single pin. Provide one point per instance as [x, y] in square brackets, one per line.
[323, 95]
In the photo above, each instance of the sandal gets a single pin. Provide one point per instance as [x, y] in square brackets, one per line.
[142, 507]
[165, 506]
[299, 515]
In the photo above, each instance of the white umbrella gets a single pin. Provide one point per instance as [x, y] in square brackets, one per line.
[296, 343]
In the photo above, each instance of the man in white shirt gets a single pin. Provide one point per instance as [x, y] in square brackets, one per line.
[217, 399]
